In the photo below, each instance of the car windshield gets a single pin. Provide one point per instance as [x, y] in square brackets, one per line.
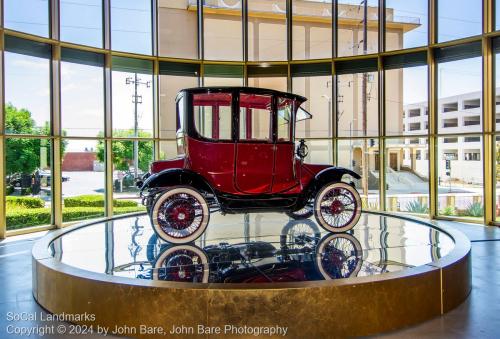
[302, 114]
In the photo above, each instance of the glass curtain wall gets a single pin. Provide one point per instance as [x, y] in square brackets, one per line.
[370, 109]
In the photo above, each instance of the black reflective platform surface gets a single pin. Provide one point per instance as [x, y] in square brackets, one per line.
[253, 248]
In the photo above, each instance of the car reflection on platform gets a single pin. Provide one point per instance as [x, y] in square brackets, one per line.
[301, 255]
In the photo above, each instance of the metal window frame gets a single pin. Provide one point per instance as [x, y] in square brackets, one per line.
[488, 133]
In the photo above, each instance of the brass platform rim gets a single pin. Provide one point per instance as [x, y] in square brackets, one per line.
[461, 249]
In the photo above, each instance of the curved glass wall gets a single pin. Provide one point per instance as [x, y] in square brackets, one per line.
[403, 92]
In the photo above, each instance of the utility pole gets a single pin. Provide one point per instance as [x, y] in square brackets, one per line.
[136, 99]
[364, 103]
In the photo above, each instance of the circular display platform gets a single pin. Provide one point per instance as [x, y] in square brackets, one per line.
[255, 270]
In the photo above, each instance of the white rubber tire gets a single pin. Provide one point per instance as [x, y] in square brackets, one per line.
[167, 194]
[204, 259]
[317, 207]
[321, 248]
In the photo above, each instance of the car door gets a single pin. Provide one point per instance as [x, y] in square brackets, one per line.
[284, 174]
[254, 163]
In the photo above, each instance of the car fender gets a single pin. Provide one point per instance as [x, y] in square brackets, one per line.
[174, 177]
[327, 175]
[333, 174]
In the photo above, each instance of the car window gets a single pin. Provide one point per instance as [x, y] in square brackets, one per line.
[284, 119]
[212, 115]
[255, 117]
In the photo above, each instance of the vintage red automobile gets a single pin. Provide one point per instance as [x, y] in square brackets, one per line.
[238, 155]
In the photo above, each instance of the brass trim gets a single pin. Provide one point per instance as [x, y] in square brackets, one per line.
[56, 163]
[433, 111]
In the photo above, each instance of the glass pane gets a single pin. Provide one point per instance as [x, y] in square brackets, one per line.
[27, 114]
[170, 85]
[312, 29]
[407, 175]
[320, 152]
[459, 96]
[81, 22]
[168, 149]
[255, 117]
[83, 177]
[212, 115]
[357, 27]
[284, 119]
[28, 182]
[497, 93]
[267, 30]
[217, 81]
[222, 30]
[318, 91]
[460, 176]
[33, 21]
[406, 24]
[458, 19]
[178, 29]
[406, 106]
[131, 26]
[131, 159]
[357, 104]
[132, 97]
[82, 100]
[362, 156]
[277, 83]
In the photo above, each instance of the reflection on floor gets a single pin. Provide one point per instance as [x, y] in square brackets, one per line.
[253, 248]
[476, 317]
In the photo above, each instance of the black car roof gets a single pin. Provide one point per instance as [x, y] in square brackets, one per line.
[253, 90]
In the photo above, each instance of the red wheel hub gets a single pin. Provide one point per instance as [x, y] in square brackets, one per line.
[180, 214]
[337, 207]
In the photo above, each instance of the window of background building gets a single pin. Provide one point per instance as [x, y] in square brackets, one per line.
[178, 29]
[222, 30]
[81, 22]
[27, 73]
[406, 95]
[460, 179]
[82, 93]
[131, 26]
[129, 105]
[33, 21]
[267, 30]
[354, 154]
[407, 176]
[173, 78]
[312, 29]
[352, 25]
[458, 19]
[406, 24]
[28, 182]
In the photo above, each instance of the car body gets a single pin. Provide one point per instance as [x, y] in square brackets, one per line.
[238, 155]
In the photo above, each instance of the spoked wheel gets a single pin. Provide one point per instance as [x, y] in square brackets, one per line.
[339, 256]
[337, 207]
[184, 263]
[303, 213]
[299, 233]
[180, 215]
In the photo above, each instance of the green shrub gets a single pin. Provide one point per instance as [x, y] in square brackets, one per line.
[95, 200]
[448, 210]
[475, 209]
[416, 206]
[21, 218]
[9, 190]
[24, 202]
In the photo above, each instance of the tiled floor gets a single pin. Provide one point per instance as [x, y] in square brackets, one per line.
[478, 317]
